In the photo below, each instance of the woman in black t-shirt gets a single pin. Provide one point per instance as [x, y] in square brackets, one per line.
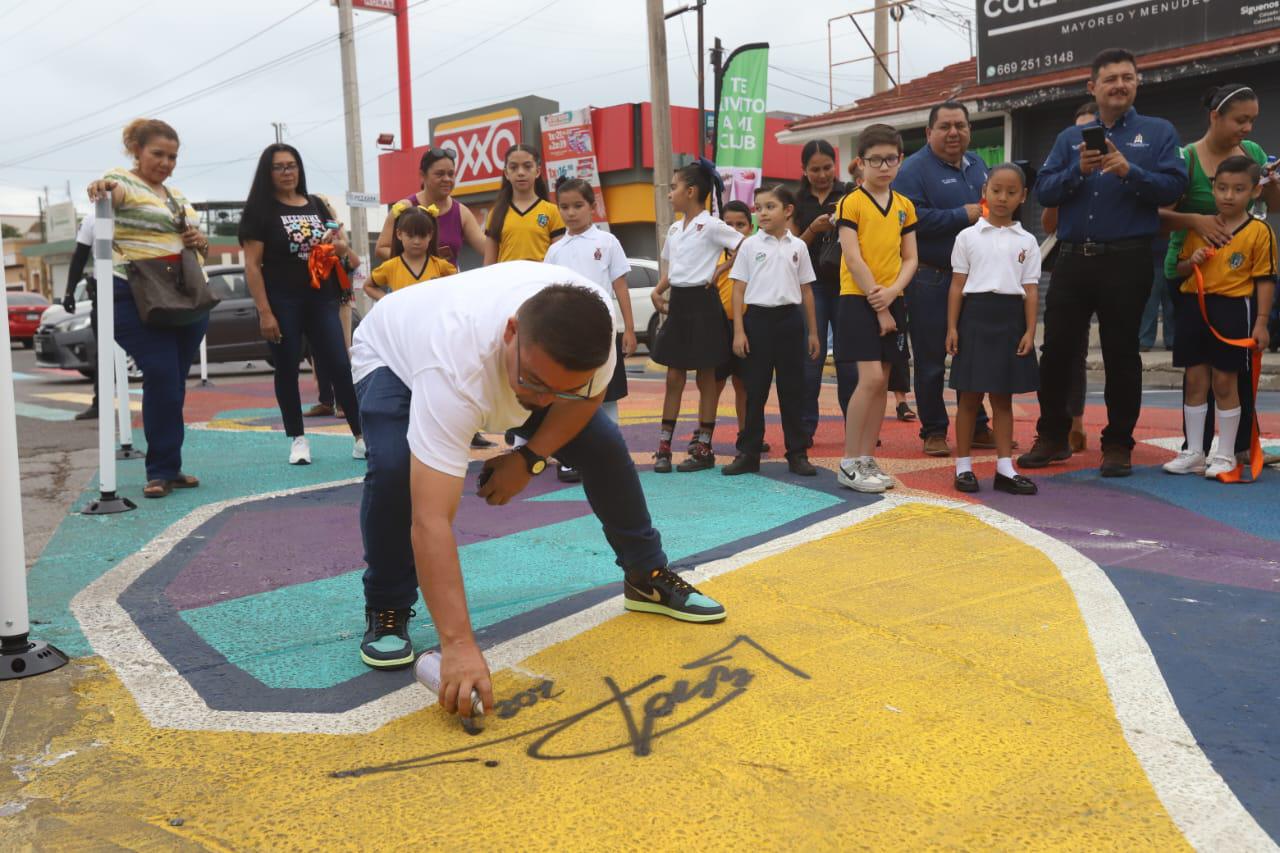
[280, 228]
[815, 206]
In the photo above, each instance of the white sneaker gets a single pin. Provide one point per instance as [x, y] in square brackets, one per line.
[357, 452]
[1186, 462]
[859, 478]
[874, 468]
[1219, 464]
[300, 451]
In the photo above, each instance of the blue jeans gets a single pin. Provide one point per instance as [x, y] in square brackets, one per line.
[1159, 305]
[927, 308]
[386, 516]
[313, 315]
[164, 355]
[826, 300]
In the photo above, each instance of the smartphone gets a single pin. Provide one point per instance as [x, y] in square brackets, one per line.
[1095, 139]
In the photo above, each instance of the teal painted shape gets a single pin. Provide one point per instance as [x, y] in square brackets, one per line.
[22, 377]
[252, 415]
[229, 464]
[312, 638]
[44, 413]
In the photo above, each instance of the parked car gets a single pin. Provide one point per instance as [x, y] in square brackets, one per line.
[66, 340]
[24, 315]
[641, 281]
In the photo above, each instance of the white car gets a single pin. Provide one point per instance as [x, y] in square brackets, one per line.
[641, 281]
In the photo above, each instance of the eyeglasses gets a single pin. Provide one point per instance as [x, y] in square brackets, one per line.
[284, 167]
[437, 153]
[539, 388]
[881, 162]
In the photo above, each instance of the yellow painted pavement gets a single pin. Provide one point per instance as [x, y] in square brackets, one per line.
[952, 700]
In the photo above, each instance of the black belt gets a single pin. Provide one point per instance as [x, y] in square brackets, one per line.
[1090, 250]
[934, 267]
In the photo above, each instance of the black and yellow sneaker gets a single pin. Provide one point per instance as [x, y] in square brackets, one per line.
[665, 592]
[386, 642]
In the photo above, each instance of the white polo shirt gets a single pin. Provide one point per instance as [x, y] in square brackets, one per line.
[595, 254]
[445, 343]
[995, 259]
[773, 269]
[692, 251]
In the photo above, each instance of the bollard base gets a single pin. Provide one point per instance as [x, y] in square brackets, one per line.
[128, 451]
[109, 503]
[21, 657]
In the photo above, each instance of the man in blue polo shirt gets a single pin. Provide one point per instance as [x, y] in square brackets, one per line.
[1108, 205]
[944, 182]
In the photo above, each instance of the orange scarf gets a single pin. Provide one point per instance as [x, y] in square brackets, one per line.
[322, 263]
[1255, 446]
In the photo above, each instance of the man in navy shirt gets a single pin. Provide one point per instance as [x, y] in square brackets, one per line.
[1108, 205]
[945, 183]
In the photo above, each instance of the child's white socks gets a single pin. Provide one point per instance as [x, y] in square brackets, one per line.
[964, 465]
[1193, 417]
[1228, 426]
[1004, 467]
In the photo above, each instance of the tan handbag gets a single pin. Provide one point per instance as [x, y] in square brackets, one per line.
[171, 291]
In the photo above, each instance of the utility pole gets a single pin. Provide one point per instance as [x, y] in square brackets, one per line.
[355, 150]
[279, 127]
[717, 79]
[880, 80]
[660, 116]
[697, 6]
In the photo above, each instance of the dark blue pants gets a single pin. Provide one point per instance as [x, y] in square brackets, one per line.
[164, 355]
[1159, 304]
[826, 301]
[386, 515]
[776, 343]
[927, 308]
[313, 315]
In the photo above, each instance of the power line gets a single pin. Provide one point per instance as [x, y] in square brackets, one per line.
[773, 85]
[37, 22]
[809, 79]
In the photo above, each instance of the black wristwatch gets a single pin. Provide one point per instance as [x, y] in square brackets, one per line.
[535, 463]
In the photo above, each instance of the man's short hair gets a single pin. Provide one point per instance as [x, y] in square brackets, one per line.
[878, 134]
[946, 105]
[1088, 108]
[572, 324]
[1111, 56]
[1239, 164]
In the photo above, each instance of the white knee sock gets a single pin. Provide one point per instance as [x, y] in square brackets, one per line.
[964, 465]
[1228, 426]
[1004, 467]
[1193, 417]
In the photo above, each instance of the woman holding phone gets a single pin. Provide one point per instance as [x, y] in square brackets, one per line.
[280, 227]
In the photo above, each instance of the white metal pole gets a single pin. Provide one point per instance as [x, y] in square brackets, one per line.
[19, 656]
[103, 230]
[355, 143]
[204, 361]
[125, 417]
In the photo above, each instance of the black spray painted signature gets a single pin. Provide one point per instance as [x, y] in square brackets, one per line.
[641, 727]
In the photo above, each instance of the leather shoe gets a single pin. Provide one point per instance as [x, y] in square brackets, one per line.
[1043, 452]
[89, 414]
[967, 482]
[743, 463]
[1015, 485]
[1115, 462]
[798, 463]
[936, 445]
[986, 440]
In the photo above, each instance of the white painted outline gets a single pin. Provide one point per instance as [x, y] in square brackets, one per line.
[1198, 800]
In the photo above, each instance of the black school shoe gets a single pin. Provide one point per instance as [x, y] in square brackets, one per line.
[1015, 485]
[967, 482]
[479, 442]
[664, 592]
[799, 464]
[386, 643]
[743, 463]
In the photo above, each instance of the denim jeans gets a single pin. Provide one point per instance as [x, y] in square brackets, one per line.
[164, 355]
[1159, 304]
[826, 300]
[927, 308]
[386, 516]
[312, 315]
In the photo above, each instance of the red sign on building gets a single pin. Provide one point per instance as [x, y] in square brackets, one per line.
[481, 143]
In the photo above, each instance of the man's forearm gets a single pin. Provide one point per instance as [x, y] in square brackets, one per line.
[564, 420]
[435, 553]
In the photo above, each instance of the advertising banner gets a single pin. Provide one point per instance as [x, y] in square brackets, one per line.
[569, 151]
[480, 143]
[740, 118]
[1022, 38]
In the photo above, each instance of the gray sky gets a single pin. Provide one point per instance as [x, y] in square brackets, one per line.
[75, 71]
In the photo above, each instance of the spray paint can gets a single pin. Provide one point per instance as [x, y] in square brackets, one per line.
[427, 671]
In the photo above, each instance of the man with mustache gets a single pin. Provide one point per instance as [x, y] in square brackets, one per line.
[517, 345]
[1108, 214]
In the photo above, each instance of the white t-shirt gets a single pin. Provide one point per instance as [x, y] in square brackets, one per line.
[773, 269]
[995, 259]
[85, 235]
[692, 252]
[445, 343]
[597, 255]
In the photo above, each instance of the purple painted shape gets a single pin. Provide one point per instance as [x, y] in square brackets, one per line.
[264, 546]
[1187, 545]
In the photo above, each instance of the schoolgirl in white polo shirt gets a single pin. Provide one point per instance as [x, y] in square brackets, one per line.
[694, 336]
[772, 274]
[991, 325]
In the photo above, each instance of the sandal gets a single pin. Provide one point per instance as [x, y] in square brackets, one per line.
[157, 489]
[905, 413]
[184, 481]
